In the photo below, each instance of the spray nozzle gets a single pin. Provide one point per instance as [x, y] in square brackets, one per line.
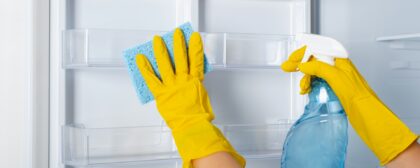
[323, 48]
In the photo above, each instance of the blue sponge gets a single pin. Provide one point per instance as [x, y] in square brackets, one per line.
[146, 49]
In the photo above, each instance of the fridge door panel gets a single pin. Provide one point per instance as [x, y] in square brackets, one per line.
[101, 121]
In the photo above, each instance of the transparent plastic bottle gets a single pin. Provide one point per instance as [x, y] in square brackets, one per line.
[318, 139]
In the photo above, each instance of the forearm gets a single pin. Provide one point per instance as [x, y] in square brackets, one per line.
[409, 158]
[203, 145]
[219, 159]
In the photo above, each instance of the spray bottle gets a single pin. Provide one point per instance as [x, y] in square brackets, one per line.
[318, 139]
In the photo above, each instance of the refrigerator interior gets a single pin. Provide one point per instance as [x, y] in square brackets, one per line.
[380, 36]
[103, 124]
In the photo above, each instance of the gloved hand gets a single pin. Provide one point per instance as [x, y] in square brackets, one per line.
[383, 132]
[291, 66]
[182, 99]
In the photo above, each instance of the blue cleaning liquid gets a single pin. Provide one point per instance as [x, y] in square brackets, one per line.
[318, 139]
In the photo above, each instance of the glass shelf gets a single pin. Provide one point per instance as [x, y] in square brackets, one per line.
[144, 144]
[402, 41]
[84, 48]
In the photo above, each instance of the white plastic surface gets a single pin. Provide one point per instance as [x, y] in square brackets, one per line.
[104, 48]
[323, 48]
[254, 16]
[90, 146]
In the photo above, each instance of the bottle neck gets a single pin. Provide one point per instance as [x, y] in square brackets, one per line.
[321, 92]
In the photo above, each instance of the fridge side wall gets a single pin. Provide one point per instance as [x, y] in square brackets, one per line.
[357, 24]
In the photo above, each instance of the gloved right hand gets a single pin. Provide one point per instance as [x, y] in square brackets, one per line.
[182, 99]
[383, 132]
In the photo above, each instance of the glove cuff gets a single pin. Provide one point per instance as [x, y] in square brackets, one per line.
[383, 132]
[200, 140]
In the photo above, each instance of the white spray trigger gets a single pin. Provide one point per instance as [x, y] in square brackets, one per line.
[323, 48]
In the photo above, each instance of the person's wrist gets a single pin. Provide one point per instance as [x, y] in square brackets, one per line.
[202, 139]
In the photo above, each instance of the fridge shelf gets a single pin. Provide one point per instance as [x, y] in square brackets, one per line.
[402, 41]
[83, 48]
[93, 146]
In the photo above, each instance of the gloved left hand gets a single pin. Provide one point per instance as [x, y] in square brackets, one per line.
[382, 131]
[182, 99]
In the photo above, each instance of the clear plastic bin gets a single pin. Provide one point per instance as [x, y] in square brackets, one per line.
[91, 146]
[103, 48]
[86, 146]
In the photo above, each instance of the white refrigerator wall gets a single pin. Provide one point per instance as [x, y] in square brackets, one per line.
[13, 86]
[357, 23]
[24, 47]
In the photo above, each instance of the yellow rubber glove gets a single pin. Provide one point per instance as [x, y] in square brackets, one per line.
[182, 99]
[383, 132]
[291, 66]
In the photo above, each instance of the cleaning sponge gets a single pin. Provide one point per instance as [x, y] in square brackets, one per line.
[143, 92]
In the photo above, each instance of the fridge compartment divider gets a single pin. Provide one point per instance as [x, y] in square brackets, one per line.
[93, 146]
[84, 48]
